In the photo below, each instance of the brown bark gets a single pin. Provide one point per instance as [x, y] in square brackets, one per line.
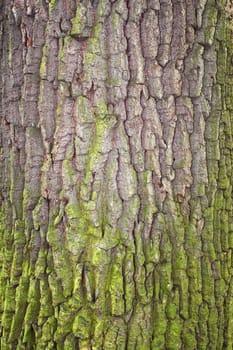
[116, 175]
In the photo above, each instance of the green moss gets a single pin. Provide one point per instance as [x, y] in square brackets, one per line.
[29, 335]
[101, 8]
[52, 4]
[67, 168]
[173, 335]
[103, 123]
[179, 259]
[184, 295]
[228, 321]
[77, 21]
[203, 330]
[69, 343]
[230, 238]
[138, 334]
[56, 289]
[116, 290]
[97, 30]
[195, 297]
[128, 275]
[41, 264]
[84, 110]
[172, 307]
[114, 333]
[188, 334]
[165, 249]
[213, 322]
[72, 211]
[102, 110]
[224, 231]
[64, 323]
[218, 200]
[93, 47]
[9, 302]
[158, 342]
[176, 224]
[160, 326]
[46, 309]
[21, 303]
[6, 266]
[89, 58]
[53, 236]
[63, 269]
[26, 197]
[19, 233]
[16, 267]
[152, 252]
[207, 281]
[48, 329]
[33, 300]
[83, 323]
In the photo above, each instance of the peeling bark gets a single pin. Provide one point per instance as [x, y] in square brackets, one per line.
[116, 175]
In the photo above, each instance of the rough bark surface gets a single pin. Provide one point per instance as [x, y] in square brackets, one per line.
[116, 175]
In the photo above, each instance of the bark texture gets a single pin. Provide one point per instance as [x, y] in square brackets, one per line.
[116, 175]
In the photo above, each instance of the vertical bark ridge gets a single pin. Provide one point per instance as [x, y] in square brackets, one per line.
[116, 175]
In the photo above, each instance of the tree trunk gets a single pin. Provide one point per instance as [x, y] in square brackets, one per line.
[116, 175]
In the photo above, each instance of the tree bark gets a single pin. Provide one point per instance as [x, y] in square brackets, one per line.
[116, 175]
